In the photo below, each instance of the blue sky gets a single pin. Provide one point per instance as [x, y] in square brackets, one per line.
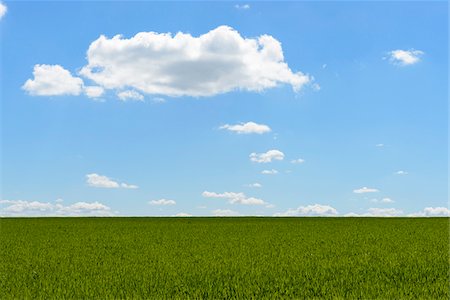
[346, 101]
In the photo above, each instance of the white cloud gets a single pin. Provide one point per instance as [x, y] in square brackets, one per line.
[383, 200]
[242, 6]
[3, 10]
[297, 161]
[224, 213]
[379, 145]
[233, 198]
[266, 157]
[309, 210]
[36, 208]
[94, 91]
[254, 185]
[247, 128]
[182, 214]
[269, 172]
[405, 57]
[100, 181]
[217, 62]
[401, 173]
[130, 95]
[163, 202]
[158, 100]
[365, 190]
[432, 212]
[383, 212]
[53, 80]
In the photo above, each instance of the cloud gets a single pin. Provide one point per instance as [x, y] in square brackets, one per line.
[36, 208]
[384, 212]
[365, 190]
[297, 161]
[94, 91]
[266, 157]
[379, 145]
[216, 62]
[182, 214]
[224, 213]
[432, 212]
[100, 181]
[242, 6]
[158, 100]
[401, 173]
[130, 95]
[163, 202]
[53, 80]
[247, 128]
[383, 200]
[309, 210]
[405, 57]
[3, 10]
[269, 172]
[254, 185]
[235, 198]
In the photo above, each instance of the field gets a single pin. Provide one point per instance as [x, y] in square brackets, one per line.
[218, 258]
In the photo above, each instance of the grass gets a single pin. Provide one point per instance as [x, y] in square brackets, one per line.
[217, 258]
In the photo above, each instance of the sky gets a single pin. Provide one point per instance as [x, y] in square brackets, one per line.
[224, 108]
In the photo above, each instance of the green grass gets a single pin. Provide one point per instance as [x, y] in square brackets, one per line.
[217, 258]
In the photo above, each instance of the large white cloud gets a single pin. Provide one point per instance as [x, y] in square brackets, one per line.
[216, 62]
[234, 198]
[405, 57]
[100, 181]
[309, 210]
[36, 208]
[53, 80]
[267, 156]
[432, 212]
[247, 128]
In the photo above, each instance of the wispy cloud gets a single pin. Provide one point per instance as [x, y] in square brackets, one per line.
[162, 202]
[3, 10]
[254, 185]
[298, 161]
[364, 190]
[130, 95]
[269, 172]
[235, 198]
[100, 181]
[247, 128]
[383, 200]
[401, 173]
[242, 6]
[224, 213]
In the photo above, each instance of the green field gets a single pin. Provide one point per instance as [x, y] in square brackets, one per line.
[218, 258]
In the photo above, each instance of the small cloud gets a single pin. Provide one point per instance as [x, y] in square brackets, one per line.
[235, 198]
[309, 210]
[247, 128]
[100, 181]
[182, 214]
[130, 95]
[225, 213]
[401, 173]
[269, 172]
[3, 10]
[254, 185]
[324, 66]
[297, 161]
[364, 190]
[59, 200]
[405, 57]
[379, 145]
[383, 200]
[266, 157]
[53, 80]
[383, 212]
[242, 6]
[162, 202]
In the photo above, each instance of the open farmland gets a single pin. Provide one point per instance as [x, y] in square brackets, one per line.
[389, 258]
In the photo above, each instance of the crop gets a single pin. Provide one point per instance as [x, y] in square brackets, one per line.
[218, 258]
